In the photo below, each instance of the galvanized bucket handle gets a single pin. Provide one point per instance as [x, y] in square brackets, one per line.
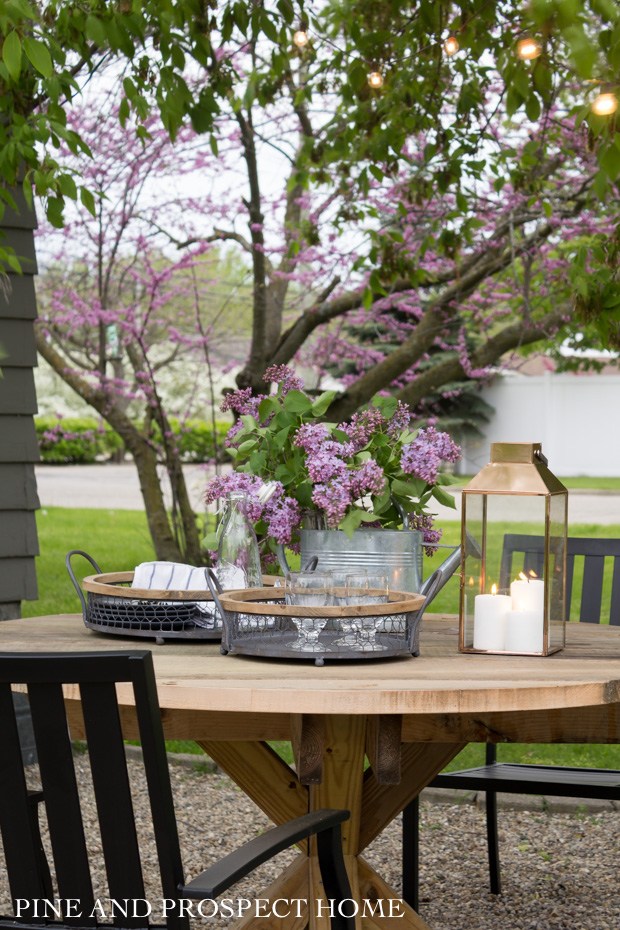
[74, 580]
[308, 566]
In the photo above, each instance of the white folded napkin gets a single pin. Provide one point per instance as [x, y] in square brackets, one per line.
[169, 576]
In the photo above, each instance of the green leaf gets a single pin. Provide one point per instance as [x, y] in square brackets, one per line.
[12, 55]
[443, 497]
[39, 57]
[246, 446]
[408, 488]
[67, 186]
[322, 403]
[88, 200]
[297, 402]
[54, 208]
[354, 519]
[266, 407]
[281, 438]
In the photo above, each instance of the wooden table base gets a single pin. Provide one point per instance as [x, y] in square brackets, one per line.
[336, 747]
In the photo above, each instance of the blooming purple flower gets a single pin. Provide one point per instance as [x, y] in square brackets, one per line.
[400, 420]
[285, 377]
[282, 515]
[424, 456]
[424, 522]
[362, 426]
[333, 497]
[369, 478]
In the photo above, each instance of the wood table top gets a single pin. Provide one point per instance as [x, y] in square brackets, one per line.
[193, 675]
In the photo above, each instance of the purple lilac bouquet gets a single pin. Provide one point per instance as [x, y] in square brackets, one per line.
[373, 470]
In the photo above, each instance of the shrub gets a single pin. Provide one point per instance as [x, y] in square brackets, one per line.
[75, 440]
[83, 440]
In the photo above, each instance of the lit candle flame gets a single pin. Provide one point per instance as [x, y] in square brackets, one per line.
[375, 79]
[531, 576]
[493, 589]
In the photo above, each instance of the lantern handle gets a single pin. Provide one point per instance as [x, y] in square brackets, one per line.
[542, 458]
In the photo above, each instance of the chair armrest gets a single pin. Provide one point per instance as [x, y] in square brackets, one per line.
[222, 874]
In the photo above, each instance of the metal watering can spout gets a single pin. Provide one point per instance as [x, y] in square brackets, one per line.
[435, 582]
[433, 585]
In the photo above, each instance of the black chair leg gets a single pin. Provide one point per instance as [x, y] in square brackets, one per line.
[411, 853]
[493, 843]
[34, 799]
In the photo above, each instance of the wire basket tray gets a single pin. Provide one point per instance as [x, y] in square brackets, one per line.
[111, 605]
[257, 622]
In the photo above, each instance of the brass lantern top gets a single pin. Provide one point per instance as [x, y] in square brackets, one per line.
[516, 468]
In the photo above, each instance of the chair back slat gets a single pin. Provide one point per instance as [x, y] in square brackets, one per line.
[119, 839]
[62, 802]
[160, 790]
[20, 844]
[96, 674]
[592, 589]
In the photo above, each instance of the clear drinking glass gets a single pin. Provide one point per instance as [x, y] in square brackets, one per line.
[362, 588]
[308, 590]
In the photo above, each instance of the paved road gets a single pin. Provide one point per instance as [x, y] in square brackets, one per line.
[116, 487]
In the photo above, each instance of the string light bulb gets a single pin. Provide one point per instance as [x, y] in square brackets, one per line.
[451, 45]
[528, 48]
[375, 80]
[300, 38]
[605, 104]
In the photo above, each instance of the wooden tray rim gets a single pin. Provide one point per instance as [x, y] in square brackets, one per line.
[108, 584]
[250, 600]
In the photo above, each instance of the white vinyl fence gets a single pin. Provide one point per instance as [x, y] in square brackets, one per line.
[575, 417]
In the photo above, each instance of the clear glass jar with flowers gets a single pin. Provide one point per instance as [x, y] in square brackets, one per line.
[376, 470]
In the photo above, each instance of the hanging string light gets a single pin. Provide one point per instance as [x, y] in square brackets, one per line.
[528, 48]
[300, 38]
[605, 104]
[451, 45]
[375, 80]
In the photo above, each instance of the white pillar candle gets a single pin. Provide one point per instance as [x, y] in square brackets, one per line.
[524, 631]
[490, 611]
[528, 594]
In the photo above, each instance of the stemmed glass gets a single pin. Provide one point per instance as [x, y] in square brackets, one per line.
[363, 588]
[308, 590]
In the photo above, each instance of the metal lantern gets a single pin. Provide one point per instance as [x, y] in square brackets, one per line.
[513, 544]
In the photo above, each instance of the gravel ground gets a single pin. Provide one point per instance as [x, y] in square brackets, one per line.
[560, 870]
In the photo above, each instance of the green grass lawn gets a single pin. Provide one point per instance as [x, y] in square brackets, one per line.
[119, 539]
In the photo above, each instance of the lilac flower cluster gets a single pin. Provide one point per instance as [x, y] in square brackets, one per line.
[351, 472]
[338, 483]
[424, 522]
[424, 456]
[362, 426]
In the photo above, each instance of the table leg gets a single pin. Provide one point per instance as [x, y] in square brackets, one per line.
[276, 789]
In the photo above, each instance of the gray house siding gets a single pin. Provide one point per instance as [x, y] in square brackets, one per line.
[18, 444]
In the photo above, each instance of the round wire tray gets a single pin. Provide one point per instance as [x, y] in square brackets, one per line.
[111, 605]
[257, 622]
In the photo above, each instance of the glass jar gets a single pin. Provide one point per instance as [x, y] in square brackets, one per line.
[238, 559]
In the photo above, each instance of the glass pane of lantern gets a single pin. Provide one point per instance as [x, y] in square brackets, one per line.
[495, 564]
[556, 589]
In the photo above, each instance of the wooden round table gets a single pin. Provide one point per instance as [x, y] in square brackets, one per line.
[409, 717]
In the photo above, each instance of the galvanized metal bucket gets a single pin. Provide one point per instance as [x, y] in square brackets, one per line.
[397, 553]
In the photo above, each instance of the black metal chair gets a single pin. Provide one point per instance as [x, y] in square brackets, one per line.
[525, 553]
[96, 674]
